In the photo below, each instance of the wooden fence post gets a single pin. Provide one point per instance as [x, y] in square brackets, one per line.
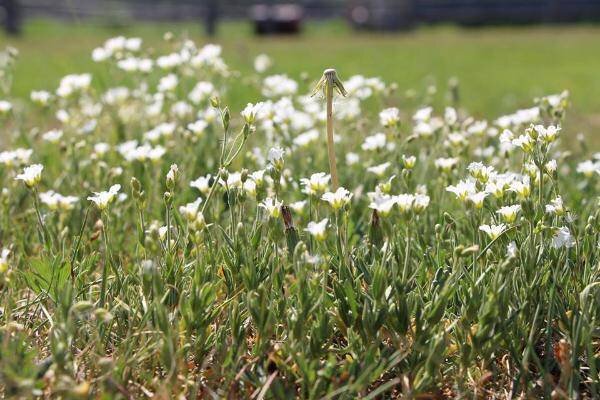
[212, 15]
[12, 22]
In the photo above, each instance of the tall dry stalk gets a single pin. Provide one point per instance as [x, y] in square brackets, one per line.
[328, 83]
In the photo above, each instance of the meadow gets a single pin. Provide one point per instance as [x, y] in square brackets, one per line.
[499, 68]
[187, 219]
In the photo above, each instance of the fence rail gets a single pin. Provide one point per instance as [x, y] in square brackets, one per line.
[378, 13]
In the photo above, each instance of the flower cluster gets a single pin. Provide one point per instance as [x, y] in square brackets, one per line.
[225, 256]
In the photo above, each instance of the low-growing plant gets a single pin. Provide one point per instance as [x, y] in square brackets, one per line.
[156, 244]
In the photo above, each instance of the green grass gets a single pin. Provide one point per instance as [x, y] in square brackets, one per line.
[476, 280]
[500, 68]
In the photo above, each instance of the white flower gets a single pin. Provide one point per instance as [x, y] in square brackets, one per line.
[202, 184]
[249, 187]
[463, 189]
[190, 210]
[162, 232]
[337, 199]
[374, 142]
[450, 116]
[521, 187]
[304, 139]
[181, 109]
[169, 61]
[511, 249]
[456, 139]
[498, 185]
[423, 114]
[348, 109]
[588, 168]
[275, 156]
[298, 206]
[56, 201]
[525, 142]
[100, 54]
[258, 177]
[563, 237]
[519, 118]
[382, 203]
[389, 117]
[133, 44]
[477, 128]
[421, 202]
[249, 113]
[548, 134]
[380, 169]
[198, 127]
[493, 231]
[103, 199]
[352, 158]
[551, 166]
[234, 181]
[409, 161]
[405, 202]
[166, 129]
[168, 83]
[262, 62]
[317, 229]
[509, 213]
[73, 83]
[424, 129]
[31, 175]
[208, 56]
[4, 260]
[278, 86]
[172, 175]
[317, 183]
[272, 206]
[52, 136]
[446, 164]
[40, 97]
[477, 199]
[201, 92]
[18, 156]
[556, 206]
[480, 171]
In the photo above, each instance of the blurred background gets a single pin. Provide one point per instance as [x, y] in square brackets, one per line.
[503, 52]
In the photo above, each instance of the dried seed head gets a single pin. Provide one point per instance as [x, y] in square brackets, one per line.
[330, 80]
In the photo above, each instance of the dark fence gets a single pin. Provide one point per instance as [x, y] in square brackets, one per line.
[169, 9]
[374, 14]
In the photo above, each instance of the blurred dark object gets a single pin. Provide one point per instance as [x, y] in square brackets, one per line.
[273, 15]
[383, 15]
[12, 16]
[212, 14]
[276, 19]
[402, 14]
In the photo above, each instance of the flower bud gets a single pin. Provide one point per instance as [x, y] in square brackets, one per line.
[168, 198]
[226, 118]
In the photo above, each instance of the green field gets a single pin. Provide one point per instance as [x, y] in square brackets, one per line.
[500, 69]
[162, 237]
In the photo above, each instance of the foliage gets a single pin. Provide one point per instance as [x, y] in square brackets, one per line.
[157, 243]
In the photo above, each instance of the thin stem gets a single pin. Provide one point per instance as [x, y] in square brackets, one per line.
[168, 228]
[330, 148]
[74, 255]
[328, 83]
[42, 230]
[104, 267]
[406, 254]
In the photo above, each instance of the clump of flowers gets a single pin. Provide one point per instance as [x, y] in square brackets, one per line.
[458, 246]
